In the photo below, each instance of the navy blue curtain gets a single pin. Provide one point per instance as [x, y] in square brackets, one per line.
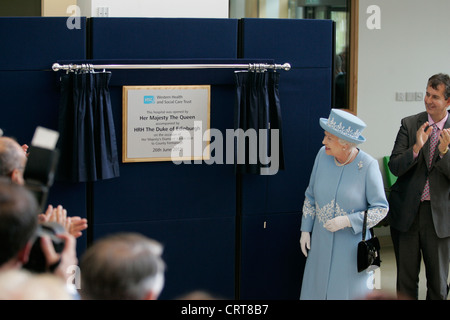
[87, 144]
[257, 107]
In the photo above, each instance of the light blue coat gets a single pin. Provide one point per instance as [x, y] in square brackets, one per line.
[331, 269]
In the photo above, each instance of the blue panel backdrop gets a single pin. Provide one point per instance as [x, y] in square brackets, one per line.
[271, 267]
[305, 94]
[35, 43]
[154, 193]
[30, 90]
[198, 253]
[169, 38]
[190, 208]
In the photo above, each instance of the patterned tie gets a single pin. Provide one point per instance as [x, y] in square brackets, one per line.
[433, 142]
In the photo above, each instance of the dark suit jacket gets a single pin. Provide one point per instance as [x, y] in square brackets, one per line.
[404, 198]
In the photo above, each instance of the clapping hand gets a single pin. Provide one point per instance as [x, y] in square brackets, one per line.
[73, 225]
[444, 140]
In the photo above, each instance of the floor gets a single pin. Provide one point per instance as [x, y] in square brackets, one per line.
[385, 276]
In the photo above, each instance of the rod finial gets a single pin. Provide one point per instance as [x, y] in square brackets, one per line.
[286, 66]
[56, 67]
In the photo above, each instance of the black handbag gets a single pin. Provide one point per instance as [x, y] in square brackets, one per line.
[368, 250]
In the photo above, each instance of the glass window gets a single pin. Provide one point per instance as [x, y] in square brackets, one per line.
[336, 10]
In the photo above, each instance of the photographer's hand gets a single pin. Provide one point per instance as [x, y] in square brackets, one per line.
[59, 263]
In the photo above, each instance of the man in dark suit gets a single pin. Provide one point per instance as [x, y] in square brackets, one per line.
[419, 201]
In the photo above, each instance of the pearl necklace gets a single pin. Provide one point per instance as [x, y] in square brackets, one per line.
[346, 161]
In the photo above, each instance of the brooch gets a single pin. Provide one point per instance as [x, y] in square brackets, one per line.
[360, 165]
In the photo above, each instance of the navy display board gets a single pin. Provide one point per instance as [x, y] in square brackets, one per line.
[35, 43]
[30, 90]
[29, 99]
[305, 94]
[199, 253]
[270, 259]
[169, 197]
[190, 208]
[164, 190]
[302, 42]
[163, 38]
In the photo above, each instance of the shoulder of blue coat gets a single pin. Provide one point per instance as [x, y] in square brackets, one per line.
[367, 158]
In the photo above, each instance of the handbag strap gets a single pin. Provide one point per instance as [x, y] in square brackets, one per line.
[364, 226]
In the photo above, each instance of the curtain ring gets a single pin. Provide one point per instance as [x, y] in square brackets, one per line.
[71, 68]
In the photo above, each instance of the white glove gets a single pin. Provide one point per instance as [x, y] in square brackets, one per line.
[337, 223]
[305, 242]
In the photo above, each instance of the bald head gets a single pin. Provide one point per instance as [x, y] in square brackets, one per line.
[122, 266]
[12, 160]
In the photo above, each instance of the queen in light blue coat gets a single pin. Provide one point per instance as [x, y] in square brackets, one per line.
[345, 181]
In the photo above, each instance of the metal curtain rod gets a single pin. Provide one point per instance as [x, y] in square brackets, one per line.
[250, 66]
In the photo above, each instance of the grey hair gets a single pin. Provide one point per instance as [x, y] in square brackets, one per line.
[122, 266]
[343, 142]
[10, 155]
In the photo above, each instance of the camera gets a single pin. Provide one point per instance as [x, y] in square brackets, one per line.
[39, 172]
[41, 164]
[37, 261]
[39, 176]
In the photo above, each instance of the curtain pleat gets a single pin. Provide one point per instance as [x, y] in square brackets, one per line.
[87, 141]
[257, 107]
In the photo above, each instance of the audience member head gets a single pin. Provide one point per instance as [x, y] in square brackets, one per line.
[199, 295]
[20, 284]
[12, 160]
[123, 266]
[18, 222]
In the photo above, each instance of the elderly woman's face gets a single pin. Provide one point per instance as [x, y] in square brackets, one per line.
[332, 145]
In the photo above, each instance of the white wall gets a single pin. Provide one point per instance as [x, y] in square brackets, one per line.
[56, 8]
[157, 8]
[412, 44]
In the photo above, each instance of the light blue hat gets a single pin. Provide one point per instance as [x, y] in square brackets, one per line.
[344, 125]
